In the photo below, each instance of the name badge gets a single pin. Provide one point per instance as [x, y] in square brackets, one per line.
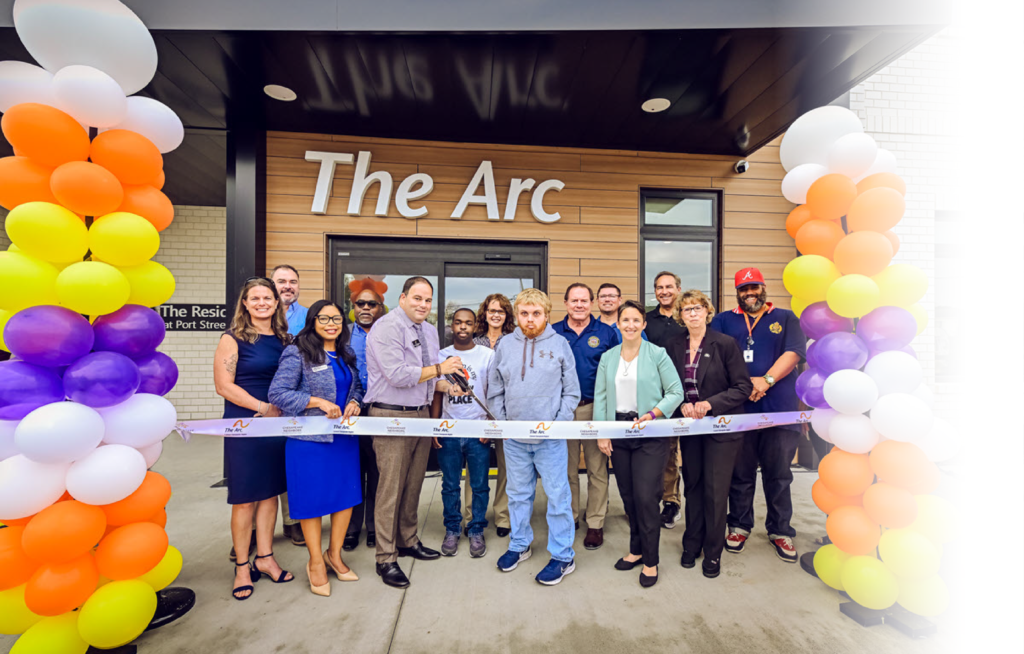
[320, 368]
[748, 356]
[416, 343]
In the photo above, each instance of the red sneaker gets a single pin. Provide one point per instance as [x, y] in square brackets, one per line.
[734, 542]
[784, 549]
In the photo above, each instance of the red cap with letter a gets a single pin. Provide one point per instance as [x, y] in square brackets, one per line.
[749, 276]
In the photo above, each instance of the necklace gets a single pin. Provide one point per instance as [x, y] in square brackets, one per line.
[333, 356]
[626, 365]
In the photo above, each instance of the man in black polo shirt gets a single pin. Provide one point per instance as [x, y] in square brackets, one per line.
[661, 329]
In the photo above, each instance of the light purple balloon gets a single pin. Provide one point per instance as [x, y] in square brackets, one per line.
[101, 379]
[810, 387]
[887, 328]
[817, 320]
[839, 351]
[159, 373]
[25, 387]
[48, 336]
[132, 330]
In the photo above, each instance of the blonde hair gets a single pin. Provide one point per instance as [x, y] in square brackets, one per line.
[690, 297]
[533, 296]
[241, 323]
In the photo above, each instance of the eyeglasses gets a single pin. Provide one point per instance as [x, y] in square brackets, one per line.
[336, 320]
[692, 310]
[607, 297]
[496, 312]
[362, 304]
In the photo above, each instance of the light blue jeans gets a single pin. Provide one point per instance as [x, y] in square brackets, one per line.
[523, 462]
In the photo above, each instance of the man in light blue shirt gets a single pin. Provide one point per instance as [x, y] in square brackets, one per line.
[286, 279]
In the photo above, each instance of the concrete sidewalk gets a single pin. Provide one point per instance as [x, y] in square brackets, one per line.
[460, 604]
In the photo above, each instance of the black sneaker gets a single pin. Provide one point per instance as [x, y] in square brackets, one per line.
[503, 531]
[670, 515]
[711, 568]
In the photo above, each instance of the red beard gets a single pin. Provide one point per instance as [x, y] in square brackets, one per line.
[533, 332]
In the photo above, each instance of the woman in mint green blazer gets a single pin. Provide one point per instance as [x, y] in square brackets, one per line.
[636, 381]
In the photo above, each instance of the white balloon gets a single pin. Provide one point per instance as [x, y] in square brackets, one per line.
[942, 442]
[22, 82]
[810, 136]
[924, 392]
[850, 391]
[797, 181]
[154, 120]
[61, 432]
[28, 487]
[885, 162]
[895, 372]
[103, 34]
[139, 421]
[89, 96]
[110, 474]
[152, 453]
[853, 434]
[852, 155]
[902, 417]
[821, 420]
[7, 446]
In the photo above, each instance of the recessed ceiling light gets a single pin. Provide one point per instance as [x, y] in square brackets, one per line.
[654, 105]
[279, 92]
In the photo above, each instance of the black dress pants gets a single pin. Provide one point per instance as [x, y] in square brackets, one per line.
[707, 475]
[773, 448]
[369, 475]
[638, 464]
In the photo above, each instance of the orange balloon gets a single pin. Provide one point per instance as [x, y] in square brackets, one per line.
[131, 550]
[160, 181]
[46, 135]
[830, 196]
[904, 465]
[86, 188]
[150, 203]
[819, 237]
[877, 209]
[796, 219]
[16, 522]
[147, 499]
[851, 530]
[828, 501]
[863, 253]
[878, 180]
[890, 506]
[159, 518]
[63, 531]
[57, 588]
[894, 240]
[22, 180]
[130, 156]
[844, 473]
[15, 566]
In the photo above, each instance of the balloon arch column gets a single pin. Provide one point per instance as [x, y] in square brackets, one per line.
[864, 381]
[84, 554]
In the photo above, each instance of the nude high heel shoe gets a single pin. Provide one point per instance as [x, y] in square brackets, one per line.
[348, 576]
[323, 591]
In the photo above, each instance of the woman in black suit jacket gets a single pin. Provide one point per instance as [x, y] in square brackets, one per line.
[716, 382]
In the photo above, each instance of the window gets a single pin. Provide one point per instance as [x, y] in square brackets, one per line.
[679, 234]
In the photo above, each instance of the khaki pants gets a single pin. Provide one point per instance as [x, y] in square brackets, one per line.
[402, 461]
[597, 474]
[286, 518]
[500, 496]
[671, 480]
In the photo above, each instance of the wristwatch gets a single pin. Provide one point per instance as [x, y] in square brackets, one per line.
[770, 380]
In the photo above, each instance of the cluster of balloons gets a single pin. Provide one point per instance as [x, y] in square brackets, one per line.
[863, 379]
[82, 413]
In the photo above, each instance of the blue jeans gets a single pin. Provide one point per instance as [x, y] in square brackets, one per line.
[477, 458]
[523, 462]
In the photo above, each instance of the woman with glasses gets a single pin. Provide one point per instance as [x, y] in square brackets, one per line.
[243, 367]
[318, 376]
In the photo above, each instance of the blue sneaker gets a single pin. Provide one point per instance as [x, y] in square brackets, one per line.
[510, 560]
[554, 571]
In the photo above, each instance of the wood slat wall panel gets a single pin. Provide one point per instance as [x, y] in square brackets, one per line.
[563, 267]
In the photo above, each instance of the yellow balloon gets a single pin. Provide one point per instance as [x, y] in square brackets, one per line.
[809, 277]
[152, 284]
[117, 613]
[91, 287]
[853, 296]
[123, 239]
[56, 635]
[48, 231]
[15, 617]
[936, 519]
[798, 305]
[928, 597]
[869, 583]
[4, 317]
[166, 571]
[908, 553]
[920, 315]
[901, 285]
[26, 281]
[828, 565]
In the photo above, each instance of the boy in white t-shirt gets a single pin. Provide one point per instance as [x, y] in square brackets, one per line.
[474, 453]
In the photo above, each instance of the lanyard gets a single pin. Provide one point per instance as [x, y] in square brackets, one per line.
[750, 328]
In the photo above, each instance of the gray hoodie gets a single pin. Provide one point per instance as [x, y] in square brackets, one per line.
[533, 379]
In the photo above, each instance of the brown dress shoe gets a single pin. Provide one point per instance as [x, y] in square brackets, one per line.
[594, 539]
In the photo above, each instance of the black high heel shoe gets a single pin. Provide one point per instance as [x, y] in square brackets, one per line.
[280, 578]
[254, 576]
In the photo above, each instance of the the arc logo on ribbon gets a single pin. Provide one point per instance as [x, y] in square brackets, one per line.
[237, 428]
[722, 424]
[804, 417]
[636, 428]
[346, 425]
[445, 428]
[541, 430]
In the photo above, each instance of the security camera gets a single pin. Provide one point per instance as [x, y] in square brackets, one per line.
[741, 166]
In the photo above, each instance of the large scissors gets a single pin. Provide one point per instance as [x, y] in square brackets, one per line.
[461, 379]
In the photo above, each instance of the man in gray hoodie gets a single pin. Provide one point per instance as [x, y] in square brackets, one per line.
[533, 377]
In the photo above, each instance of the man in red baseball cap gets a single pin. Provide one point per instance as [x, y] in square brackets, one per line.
[773, 346]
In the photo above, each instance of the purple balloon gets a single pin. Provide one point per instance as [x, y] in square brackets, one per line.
[25, 387]
[132, 330]
[101, 379]
[159, 373]
[48, 336]
[818, 320]
[887, 328]
[839, 351]
[810, 387]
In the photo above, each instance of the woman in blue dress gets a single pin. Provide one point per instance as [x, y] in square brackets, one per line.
[243, 367]
[317, 376]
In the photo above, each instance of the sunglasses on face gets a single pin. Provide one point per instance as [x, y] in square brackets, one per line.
[362, 304]
[324, 320]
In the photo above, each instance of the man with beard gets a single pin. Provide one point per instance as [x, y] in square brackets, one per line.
[772, 345]
[367, 307]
